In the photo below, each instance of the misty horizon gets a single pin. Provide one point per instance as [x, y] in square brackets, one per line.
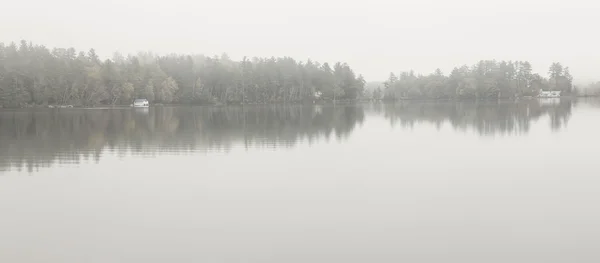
[376, 39]
[540, 71]
[269, 131]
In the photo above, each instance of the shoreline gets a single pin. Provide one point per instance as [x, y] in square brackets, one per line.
[328, 102]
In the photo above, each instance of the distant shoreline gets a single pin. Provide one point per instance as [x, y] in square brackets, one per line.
[327, 102]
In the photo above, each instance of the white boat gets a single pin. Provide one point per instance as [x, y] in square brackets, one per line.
[140, 103]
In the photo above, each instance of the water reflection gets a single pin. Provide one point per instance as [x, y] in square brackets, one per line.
[32, 139]
[487, 118]
[38, 138]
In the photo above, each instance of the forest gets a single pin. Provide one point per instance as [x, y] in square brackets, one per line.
[35, 75]
[488, 79]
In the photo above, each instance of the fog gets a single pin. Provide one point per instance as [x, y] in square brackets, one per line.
[375, 37]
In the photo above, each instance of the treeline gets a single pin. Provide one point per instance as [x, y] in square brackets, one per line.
[592, 90]
[34, 75]
[484, 80]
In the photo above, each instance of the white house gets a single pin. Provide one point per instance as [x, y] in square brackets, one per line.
[318, 94]
[549, 94]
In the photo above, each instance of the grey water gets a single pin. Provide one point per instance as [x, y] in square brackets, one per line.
[405, 182]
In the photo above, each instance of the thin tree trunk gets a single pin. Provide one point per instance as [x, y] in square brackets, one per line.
[194, 89]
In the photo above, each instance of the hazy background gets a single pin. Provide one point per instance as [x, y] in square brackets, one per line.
[374, 37]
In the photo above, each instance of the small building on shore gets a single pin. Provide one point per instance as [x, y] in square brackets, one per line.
[549, 94]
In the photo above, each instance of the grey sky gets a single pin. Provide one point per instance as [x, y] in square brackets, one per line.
[374, 37]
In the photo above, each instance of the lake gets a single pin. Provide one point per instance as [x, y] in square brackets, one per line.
[406, 182]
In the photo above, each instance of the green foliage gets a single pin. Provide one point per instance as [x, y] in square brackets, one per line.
[35, 75]
[166, 91]
[377, 94]
[484, 80]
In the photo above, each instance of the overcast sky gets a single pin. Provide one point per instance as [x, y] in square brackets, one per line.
[375, 37]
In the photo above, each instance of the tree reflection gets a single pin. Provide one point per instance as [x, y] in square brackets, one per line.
[486, 118]
[42, 138]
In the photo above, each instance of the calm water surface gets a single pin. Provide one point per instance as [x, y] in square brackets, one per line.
[416, 182]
